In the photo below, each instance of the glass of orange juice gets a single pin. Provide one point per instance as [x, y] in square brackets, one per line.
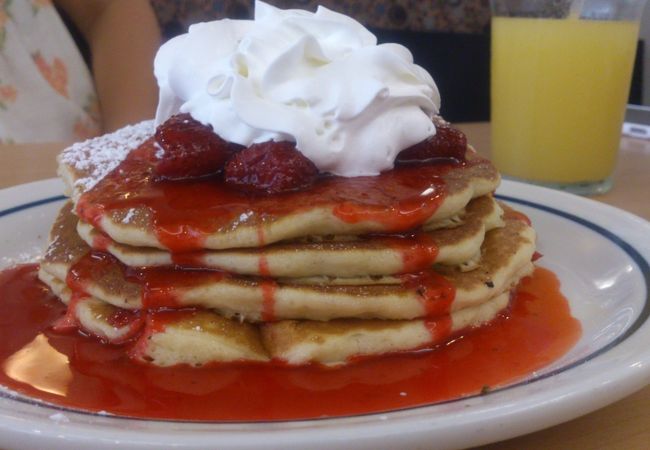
[561, 73]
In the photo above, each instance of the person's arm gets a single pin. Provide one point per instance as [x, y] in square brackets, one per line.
[123, 36]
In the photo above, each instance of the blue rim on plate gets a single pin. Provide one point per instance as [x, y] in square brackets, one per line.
[634, 255]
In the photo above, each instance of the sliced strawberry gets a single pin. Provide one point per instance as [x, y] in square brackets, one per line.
[270, 168]
[448, 142]
[189, 149]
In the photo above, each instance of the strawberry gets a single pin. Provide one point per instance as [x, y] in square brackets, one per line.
[270, 168]
[190, 149]
[448, 142]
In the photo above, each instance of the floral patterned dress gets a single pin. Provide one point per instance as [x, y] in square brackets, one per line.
[46, 90]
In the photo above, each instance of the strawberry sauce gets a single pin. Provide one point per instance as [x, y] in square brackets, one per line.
[268, 303]
[76, 371]
[158, 287]
[183, 213]
[436, 292]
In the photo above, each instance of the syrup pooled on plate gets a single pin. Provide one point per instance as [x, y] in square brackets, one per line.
[79, 372]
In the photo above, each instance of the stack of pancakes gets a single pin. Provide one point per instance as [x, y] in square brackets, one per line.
[304, 287]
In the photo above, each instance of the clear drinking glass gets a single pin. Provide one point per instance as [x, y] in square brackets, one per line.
[561, 73]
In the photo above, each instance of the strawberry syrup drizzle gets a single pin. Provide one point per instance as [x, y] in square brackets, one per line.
[69, 321]
[402, 215]
[194, 259]
[159, 285]
[154, 322]
[435, 291]
[267, 285]
[90, 266]
[535, 331]
[263, 265]
[268, 300]
[418, 250]
[102, 242]
[184, 213]
[128, 322]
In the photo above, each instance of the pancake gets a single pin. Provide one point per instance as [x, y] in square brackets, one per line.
[505, 257]
[452, 243]
[200, 337]
[132, 209]
[95, 317]
[197, 338]
[83, 164]
[335, 342]
[192, 272]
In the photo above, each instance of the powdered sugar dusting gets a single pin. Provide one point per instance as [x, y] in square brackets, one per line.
[129, 216]
[96, 157]
[31, 255]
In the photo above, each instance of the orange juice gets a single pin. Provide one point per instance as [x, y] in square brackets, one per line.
[559, 89]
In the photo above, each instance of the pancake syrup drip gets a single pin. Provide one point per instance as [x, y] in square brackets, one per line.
[417, 249]
[159, 287]
[156, 286]
[76, 371]
[435, 291]
[183, 213]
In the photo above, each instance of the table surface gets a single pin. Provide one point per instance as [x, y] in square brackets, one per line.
[622, 425]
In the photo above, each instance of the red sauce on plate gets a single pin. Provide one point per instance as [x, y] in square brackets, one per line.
[79, 372]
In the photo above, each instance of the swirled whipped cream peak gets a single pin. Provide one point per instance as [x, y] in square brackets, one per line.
[317, 79]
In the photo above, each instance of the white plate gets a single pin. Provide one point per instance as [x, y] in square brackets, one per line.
[600, 254]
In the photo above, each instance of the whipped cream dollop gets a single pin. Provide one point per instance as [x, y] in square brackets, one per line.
[318, 79]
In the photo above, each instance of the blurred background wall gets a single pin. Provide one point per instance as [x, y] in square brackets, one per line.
[645, 36]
